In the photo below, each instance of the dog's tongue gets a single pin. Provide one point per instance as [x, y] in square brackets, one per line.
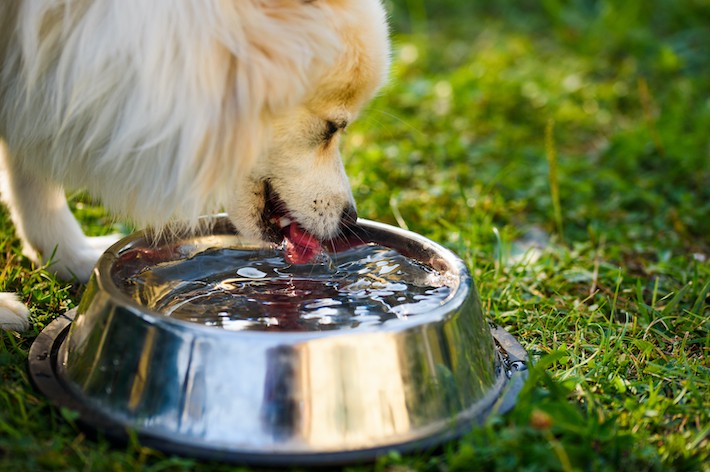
[301, 246]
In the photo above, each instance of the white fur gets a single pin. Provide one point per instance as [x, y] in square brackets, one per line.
[13, 314]
[168, 110]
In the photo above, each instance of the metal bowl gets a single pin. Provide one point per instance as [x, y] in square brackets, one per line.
[275, 398]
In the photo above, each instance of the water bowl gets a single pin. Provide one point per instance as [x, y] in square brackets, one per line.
[209, 346]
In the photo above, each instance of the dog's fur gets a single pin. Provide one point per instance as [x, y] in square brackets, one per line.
[166, 110]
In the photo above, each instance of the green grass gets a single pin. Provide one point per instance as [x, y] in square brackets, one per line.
[561, 149]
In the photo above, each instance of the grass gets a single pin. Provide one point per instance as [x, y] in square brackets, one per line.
[561, 149]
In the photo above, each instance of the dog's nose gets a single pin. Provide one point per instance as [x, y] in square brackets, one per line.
[348, 218]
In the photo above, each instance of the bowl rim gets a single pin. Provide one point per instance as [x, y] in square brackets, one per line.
[449, 306]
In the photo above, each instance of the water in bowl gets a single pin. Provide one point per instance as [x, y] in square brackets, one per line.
[247, 289]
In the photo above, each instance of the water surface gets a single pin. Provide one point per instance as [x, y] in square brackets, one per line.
[247, 289]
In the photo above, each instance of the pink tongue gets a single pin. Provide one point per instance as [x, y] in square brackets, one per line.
[301, 247]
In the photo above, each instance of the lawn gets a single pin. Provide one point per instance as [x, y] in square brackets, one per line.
[562, 149]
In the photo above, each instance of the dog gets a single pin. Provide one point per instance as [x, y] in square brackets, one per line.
[167, 110]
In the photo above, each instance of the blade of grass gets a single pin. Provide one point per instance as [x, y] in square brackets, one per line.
[551, 154]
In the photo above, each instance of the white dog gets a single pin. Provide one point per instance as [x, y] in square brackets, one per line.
[165, 110]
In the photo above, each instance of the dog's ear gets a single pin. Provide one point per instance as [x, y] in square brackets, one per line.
[276, 54]
[281, 51]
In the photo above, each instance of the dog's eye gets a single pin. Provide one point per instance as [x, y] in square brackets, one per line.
[331, 127]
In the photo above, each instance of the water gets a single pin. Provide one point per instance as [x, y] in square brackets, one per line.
[239, 289]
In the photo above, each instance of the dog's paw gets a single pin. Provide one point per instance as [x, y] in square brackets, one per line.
[14, 315]
[78, 261]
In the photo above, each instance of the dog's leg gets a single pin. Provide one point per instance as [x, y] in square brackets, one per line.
[13, 314]
[47, 227]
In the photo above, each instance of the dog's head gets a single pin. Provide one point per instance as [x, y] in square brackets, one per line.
[297, 188]
[168, 111]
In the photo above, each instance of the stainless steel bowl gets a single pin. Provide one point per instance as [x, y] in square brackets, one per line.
[307, 397]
